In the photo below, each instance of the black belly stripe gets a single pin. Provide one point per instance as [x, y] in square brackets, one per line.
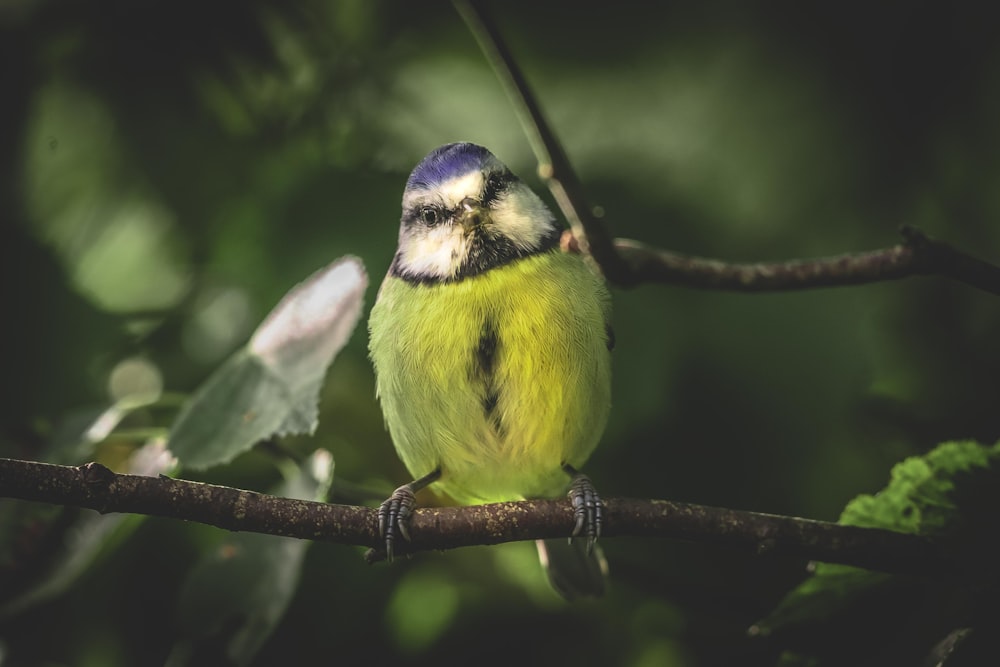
[486, 349]
[486, 352]
[490, 400]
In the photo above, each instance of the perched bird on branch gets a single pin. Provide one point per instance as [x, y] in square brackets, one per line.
[492, 351]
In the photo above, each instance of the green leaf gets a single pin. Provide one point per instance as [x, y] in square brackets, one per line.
[271, 386]
[951, 493]
[919, 498]
[235, 597]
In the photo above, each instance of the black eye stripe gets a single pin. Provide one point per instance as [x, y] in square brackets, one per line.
[433, 214]
[494, 187]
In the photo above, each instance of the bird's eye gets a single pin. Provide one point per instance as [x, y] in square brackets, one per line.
[429, 215]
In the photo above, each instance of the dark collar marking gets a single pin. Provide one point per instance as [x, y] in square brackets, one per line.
[486, 252]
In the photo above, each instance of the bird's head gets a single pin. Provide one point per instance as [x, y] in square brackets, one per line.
[464, 213]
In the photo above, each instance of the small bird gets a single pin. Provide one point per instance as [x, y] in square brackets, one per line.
[492, 354]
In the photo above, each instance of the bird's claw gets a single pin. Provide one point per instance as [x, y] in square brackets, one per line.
[394, 517]
[588, 508]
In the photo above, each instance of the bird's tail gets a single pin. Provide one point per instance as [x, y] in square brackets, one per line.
[573, 572]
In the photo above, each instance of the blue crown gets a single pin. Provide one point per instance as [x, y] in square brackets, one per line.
[447, 162]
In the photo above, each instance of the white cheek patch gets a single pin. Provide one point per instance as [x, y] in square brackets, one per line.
[522, 217]
[436, 252]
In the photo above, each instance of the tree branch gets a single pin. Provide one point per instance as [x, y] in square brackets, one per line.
[96, 487]
[918, 255]
[628, 263]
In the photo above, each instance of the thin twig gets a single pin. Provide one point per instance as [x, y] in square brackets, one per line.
[628, 263]
[96, 487]
[553, 165]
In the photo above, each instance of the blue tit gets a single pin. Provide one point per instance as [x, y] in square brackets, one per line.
[492, 353]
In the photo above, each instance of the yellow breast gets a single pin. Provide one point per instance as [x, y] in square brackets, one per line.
[498, 379]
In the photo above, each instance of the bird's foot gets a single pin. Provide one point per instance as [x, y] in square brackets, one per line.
[394, 517]
[395, 512]
[588, 508]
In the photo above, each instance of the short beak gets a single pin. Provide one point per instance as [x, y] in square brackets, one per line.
[471, 213]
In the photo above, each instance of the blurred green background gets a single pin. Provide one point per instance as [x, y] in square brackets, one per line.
[170, 169]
